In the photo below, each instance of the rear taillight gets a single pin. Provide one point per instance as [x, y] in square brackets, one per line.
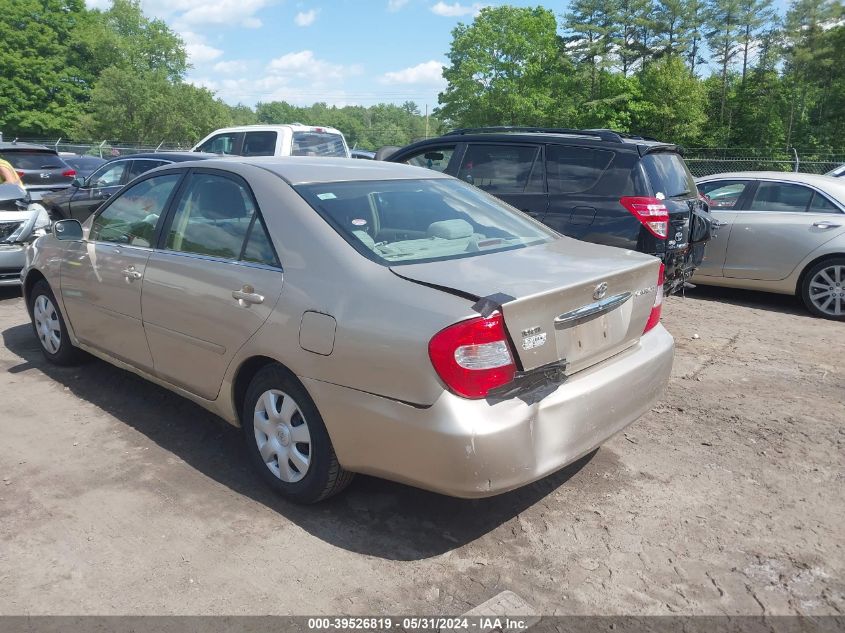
[651, 212]
[473, 357]
[657, 308]
[19, 173]
[69, 173]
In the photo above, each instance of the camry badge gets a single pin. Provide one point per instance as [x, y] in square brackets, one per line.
[600, 291]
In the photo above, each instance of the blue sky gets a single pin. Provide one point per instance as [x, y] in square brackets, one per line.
[341, 52]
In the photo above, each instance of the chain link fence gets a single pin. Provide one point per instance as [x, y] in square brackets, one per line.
[103, 149]
[704, 161]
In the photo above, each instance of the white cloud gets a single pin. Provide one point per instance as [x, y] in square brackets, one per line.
[98, 4]
[304, 65]
[395, 5]
[456, 10]
[306, 18]
[427, 73]
[232, 67]
[198, 51]
[185, 14]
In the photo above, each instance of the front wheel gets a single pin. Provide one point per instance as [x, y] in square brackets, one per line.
[823, 289]
[50, 328]
[287, 441]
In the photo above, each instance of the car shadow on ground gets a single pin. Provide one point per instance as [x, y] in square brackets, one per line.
[785, 304]
[373, 517]
[10, 292]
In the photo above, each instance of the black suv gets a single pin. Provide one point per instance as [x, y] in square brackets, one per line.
[40, 168]
[595, 185]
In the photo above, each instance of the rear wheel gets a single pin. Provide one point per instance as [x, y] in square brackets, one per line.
[823, 289]
[287, 440]
[50, 328]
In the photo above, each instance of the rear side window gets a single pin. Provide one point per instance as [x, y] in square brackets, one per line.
[777, 196]
[571, 169]
[259, 144]
[33, 159]
[668, 174]
[820, 204]
[317, 144]
[503, 168]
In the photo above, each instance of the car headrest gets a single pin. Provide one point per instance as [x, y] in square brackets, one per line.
[450, 229]
[221, 200]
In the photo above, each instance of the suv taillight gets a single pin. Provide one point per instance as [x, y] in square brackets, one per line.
[651, 212]
[69, 173]
[473, 357]
[19, 173]
[657, 307]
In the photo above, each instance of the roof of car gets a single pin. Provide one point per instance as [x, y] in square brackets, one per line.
[6, 146]
[832, 185]
[173, 157]
[258, 127]
[297, 170]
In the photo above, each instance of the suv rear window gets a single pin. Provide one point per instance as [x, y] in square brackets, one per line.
[413, 221]
[33, 159]
[317, 144]
[668, 174]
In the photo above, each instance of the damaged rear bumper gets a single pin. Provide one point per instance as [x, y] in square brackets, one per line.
[478, 448]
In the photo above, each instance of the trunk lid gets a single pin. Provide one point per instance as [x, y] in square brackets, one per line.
[563, 301]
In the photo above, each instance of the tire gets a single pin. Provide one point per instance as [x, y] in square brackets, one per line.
[823, 289]
[287, 440]
[49, 327]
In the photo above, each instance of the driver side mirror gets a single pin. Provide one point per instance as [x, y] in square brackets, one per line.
[77, 182]
[67, 230]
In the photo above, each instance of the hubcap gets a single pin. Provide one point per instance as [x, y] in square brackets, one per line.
[282, 436]
[827, 290]
[47, 324]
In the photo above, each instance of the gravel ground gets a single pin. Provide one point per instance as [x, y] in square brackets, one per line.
[118, 497]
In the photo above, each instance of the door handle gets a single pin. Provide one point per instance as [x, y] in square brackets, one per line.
[131, 274]
[247, 296]
[717, 224]
[826, 225]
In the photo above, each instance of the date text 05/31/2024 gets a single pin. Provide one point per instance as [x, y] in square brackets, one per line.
[462, 623]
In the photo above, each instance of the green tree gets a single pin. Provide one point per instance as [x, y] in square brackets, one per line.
[590, 27]
[723, 38]
[41, 81]
[501, 67]
[671, 104]
[754, 16]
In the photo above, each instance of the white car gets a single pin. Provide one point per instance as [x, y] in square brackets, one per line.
[839, 172]
[275, 140]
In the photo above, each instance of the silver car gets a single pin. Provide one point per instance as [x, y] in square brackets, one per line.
[778, 232]
[21, 221]
[358, 316]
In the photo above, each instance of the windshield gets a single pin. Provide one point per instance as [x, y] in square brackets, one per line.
[318, 144]
[412, 221]
[668, 175]
[33, 159]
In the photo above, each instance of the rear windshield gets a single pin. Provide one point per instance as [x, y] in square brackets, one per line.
[412, 221]
[317, 144]
[33, 159]
[668, 174]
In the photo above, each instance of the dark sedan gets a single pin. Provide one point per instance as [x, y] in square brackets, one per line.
[83, 165]
[83, 197]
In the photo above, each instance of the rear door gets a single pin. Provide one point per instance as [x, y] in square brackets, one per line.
[726, 198]
[784, 222]
[211, 285]
[513, 173]
[99, 187]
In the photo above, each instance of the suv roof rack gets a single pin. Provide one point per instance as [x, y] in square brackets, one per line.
[627, 135]
[604, 135]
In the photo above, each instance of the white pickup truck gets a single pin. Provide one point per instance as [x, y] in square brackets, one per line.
[275, 140]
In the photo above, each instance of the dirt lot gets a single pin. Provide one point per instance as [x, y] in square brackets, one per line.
[118, 497]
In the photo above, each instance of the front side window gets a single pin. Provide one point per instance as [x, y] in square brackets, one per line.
[317, 144]
[573, 169]
[436, 159]
[259, 144]
[411, 221]
[110, 175]
[132, 217]
[782, 197]
[502, 168]
[220, 144]
[723, 194]
[213, 217]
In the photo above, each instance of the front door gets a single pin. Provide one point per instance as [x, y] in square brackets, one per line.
[213, 283]
[784, 223]
[102, 275]
[99, 187]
